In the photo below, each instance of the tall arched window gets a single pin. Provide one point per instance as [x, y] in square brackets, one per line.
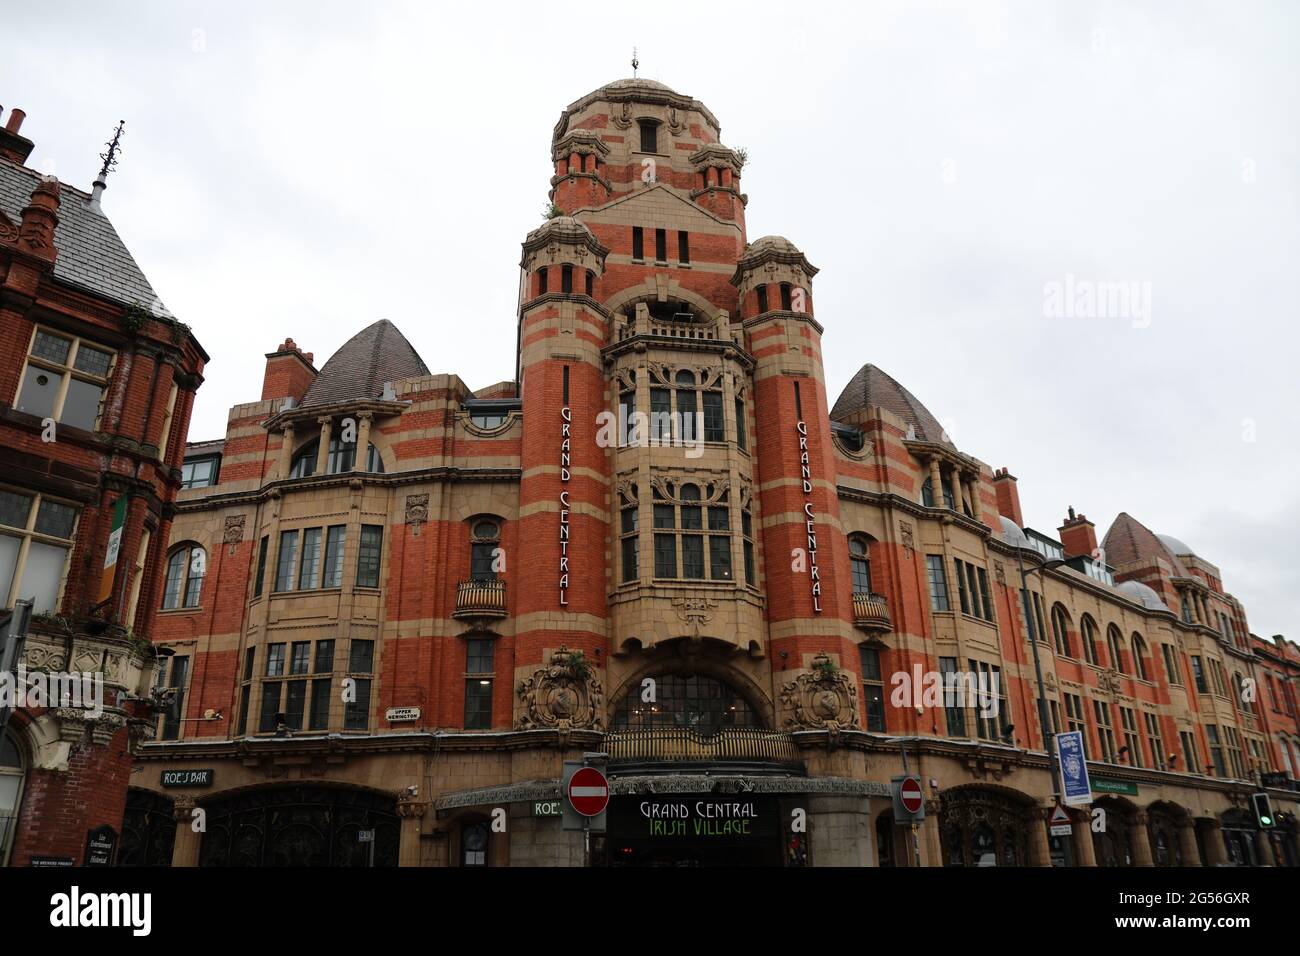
[1115, 643]
[186, 566]
[342, 456]
[1061, 631]
[1140, 656]
[1088, 635]
[860, 563]
[13, 774]
[485, 545]
[696, 702]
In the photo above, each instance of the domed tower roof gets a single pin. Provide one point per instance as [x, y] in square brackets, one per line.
[377, 354]
[636, 90]
[563, 229]
[1128, 540]
[1174, 545]
[871, 386]
[1137, 591]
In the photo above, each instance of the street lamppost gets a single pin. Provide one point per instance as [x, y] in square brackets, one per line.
[1049, 741]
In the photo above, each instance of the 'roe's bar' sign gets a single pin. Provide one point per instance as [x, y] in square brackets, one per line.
[187, 778]
[805, 473]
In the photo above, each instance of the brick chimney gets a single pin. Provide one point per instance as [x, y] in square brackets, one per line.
[1004, 483]
[1079, 535]
[289, 372]
[14, 147]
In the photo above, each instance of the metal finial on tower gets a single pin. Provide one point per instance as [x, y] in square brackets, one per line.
[635, 62]
[110, 160]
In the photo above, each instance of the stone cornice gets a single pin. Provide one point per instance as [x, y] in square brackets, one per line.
[281, 486]
[782, 315]
[299, 414]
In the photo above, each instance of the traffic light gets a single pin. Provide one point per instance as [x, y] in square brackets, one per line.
[1263, 808]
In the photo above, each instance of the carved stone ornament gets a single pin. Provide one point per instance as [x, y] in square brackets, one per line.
[1109, 681]
[821, 699]
[909, 537]
[695, 612]
[234, 532]
[417, 509]
[999, 573]
[558, 697]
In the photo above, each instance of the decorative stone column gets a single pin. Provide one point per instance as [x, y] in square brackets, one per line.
[323, 452]
[185, 847]
[1187, 847]
[360, 460]
[1215, 851]
[286, 450]
[936, 483]
[411, 810]
[1040, 850]
[1140, 838]
[1085, 854]
[974, 485]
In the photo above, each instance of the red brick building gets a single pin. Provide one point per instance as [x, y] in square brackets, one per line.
[96, 386]
[661, 541]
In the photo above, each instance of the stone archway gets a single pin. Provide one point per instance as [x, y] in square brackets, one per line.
[1114, 844]
[709, 663]
[1172, 835]
[300, 825]
[987, 826]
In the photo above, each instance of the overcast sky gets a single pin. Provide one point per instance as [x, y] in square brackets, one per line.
[306, 169]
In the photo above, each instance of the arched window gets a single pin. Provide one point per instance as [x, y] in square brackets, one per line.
[860, 563]
[1061, 631]
[342, 456]
[186, 566]
[1140, 656]
[484, 547]
[695, 702]
[685, 382]
[474, 844]
[1114, 643]
[1088, 635]
[13, 774]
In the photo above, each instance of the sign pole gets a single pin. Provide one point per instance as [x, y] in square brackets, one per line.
[916, 843]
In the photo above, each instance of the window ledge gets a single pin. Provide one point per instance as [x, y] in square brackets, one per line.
[176, 611]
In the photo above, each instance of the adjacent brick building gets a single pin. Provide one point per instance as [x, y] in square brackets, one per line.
[663, 542]
[97, 381]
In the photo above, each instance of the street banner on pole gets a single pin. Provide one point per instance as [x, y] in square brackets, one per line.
[1075, 786]
[114, 546]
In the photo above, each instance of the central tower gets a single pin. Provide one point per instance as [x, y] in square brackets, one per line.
[678, 507]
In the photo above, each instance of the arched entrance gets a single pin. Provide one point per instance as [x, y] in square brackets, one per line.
[13, 775]
[1113, 843]
[1164, 822]
[148, 830]
[300, 825]
[983, 826]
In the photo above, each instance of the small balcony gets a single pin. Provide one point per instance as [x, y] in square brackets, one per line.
[661, 748]
[480, 599]
[871, 612]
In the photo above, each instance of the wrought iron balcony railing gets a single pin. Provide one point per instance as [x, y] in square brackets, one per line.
[871, 612]
[480, 599]
[680, 745]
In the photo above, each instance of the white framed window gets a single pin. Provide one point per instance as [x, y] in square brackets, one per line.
[13, 774]
[65, 379]
[36, 534]
[186, 567]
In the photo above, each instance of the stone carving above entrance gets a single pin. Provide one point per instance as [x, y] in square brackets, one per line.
[821, 699]
[234, 531]
[417, 509]
[563, 695]
[695, 612]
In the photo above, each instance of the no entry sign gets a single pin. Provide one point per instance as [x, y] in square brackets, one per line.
[589, 792]
[910, 793]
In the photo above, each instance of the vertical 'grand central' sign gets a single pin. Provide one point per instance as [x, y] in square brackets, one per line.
[566, 417]
[805, 474]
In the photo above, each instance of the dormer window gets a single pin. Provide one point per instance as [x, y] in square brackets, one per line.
[566, 279]
[762, 299]
[649, 136]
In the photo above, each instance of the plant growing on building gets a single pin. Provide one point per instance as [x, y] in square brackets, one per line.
[552, 211]
[577, 664]
[825, 668]
[742, 155]
[134, 318]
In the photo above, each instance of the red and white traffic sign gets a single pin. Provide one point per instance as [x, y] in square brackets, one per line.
[909, 793]
[1059, 816]
[589, 792]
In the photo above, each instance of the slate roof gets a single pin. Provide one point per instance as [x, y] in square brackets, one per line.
[359, 369]
[871, 386]
[92, 256]
[1129, 540]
